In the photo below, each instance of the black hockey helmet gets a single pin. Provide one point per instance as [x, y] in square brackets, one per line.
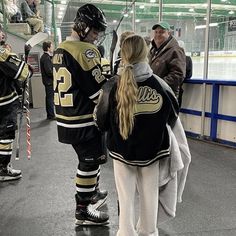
[88, 16]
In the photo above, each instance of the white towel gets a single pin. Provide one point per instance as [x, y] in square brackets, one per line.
[173, 173]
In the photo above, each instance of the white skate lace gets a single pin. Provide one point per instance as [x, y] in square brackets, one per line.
[93, 212]
[9, 168]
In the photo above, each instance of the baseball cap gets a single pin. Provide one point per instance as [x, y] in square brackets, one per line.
[162, 24]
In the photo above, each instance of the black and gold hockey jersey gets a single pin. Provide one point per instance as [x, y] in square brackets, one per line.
[11, 70]
[77, 81]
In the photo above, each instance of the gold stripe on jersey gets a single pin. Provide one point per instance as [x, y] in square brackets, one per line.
[88, 57]
[74, 117]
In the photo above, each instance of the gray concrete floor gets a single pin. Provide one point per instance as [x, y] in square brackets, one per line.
[42, 202]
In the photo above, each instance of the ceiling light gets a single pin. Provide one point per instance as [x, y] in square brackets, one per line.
[114, 21]
[152, 0]
[204, 26]
[63, 2]
[126, 14]
[231, 12]
[213, 24]
[141, 6]
[179, 13]
[200, 27]
[191, 9]
[224, 0]
[137, 20]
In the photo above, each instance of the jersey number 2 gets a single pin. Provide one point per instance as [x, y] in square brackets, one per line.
[62, 83]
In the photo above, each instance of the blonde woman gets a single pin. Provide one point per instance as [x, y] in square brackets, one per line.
[140, 107]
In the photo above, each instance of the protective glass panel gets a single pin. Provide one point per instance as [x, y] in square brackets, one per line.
[222, 41]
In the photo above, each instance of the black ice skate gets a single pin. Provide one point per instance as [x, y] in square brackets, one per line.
[7, 173]
[86, 215]
[99, 199]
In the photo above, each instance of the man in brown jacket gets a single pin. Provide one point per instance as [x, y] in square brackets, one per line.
[167, 59]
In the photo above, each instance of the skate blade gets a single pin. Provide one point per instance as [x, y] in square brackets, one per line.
[90, 223]
[8, 178]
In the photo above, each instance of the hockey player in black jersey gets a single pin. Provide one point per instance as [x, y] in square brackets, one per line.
[12, 69]
[77, 82]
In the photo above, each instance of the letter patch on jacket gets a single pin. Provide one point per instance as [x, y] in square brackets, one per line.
[149, 101]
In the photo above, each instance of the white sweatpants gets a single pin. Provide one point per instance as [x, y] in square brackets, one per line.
[146, 180]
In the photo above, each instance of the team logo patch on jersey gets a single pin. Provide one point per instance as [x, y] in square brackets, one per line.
[90, 54]
[2, 50]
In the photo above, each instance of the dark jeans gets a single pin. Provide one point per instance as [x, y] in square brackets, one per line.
[49, 101]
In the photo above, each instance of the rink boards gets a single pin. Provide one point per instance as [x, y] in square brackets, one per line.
[220, 110]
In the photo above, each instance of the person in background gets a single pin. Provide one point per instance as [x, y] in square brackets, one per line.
[117, 62]
[189, 71]
[166, 58]
[77, 82]
[35, 7]
[106, 67]
[47, 78]
[12, 11]
[12, 69]
[148, 40]
[31, 16]
[139, 106]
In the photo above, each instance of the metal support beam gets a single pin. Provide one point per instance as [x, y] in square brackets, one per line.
[160, 10]
[134, 16]
[205, 69]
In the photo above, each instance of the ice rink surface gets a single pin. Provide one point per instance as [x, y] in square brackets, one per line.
[219, 68]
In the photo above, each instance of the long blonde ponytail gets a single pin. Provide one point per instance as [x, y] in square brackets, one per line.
[133, 50]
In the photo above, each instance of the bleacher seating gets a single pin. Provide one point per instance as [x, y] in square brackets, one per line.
[22, 28]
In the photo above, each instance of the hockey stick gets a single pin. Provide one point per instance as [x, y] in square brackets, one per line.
[37, 38]
[19, 122]
[115, 38]
[112, 49]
